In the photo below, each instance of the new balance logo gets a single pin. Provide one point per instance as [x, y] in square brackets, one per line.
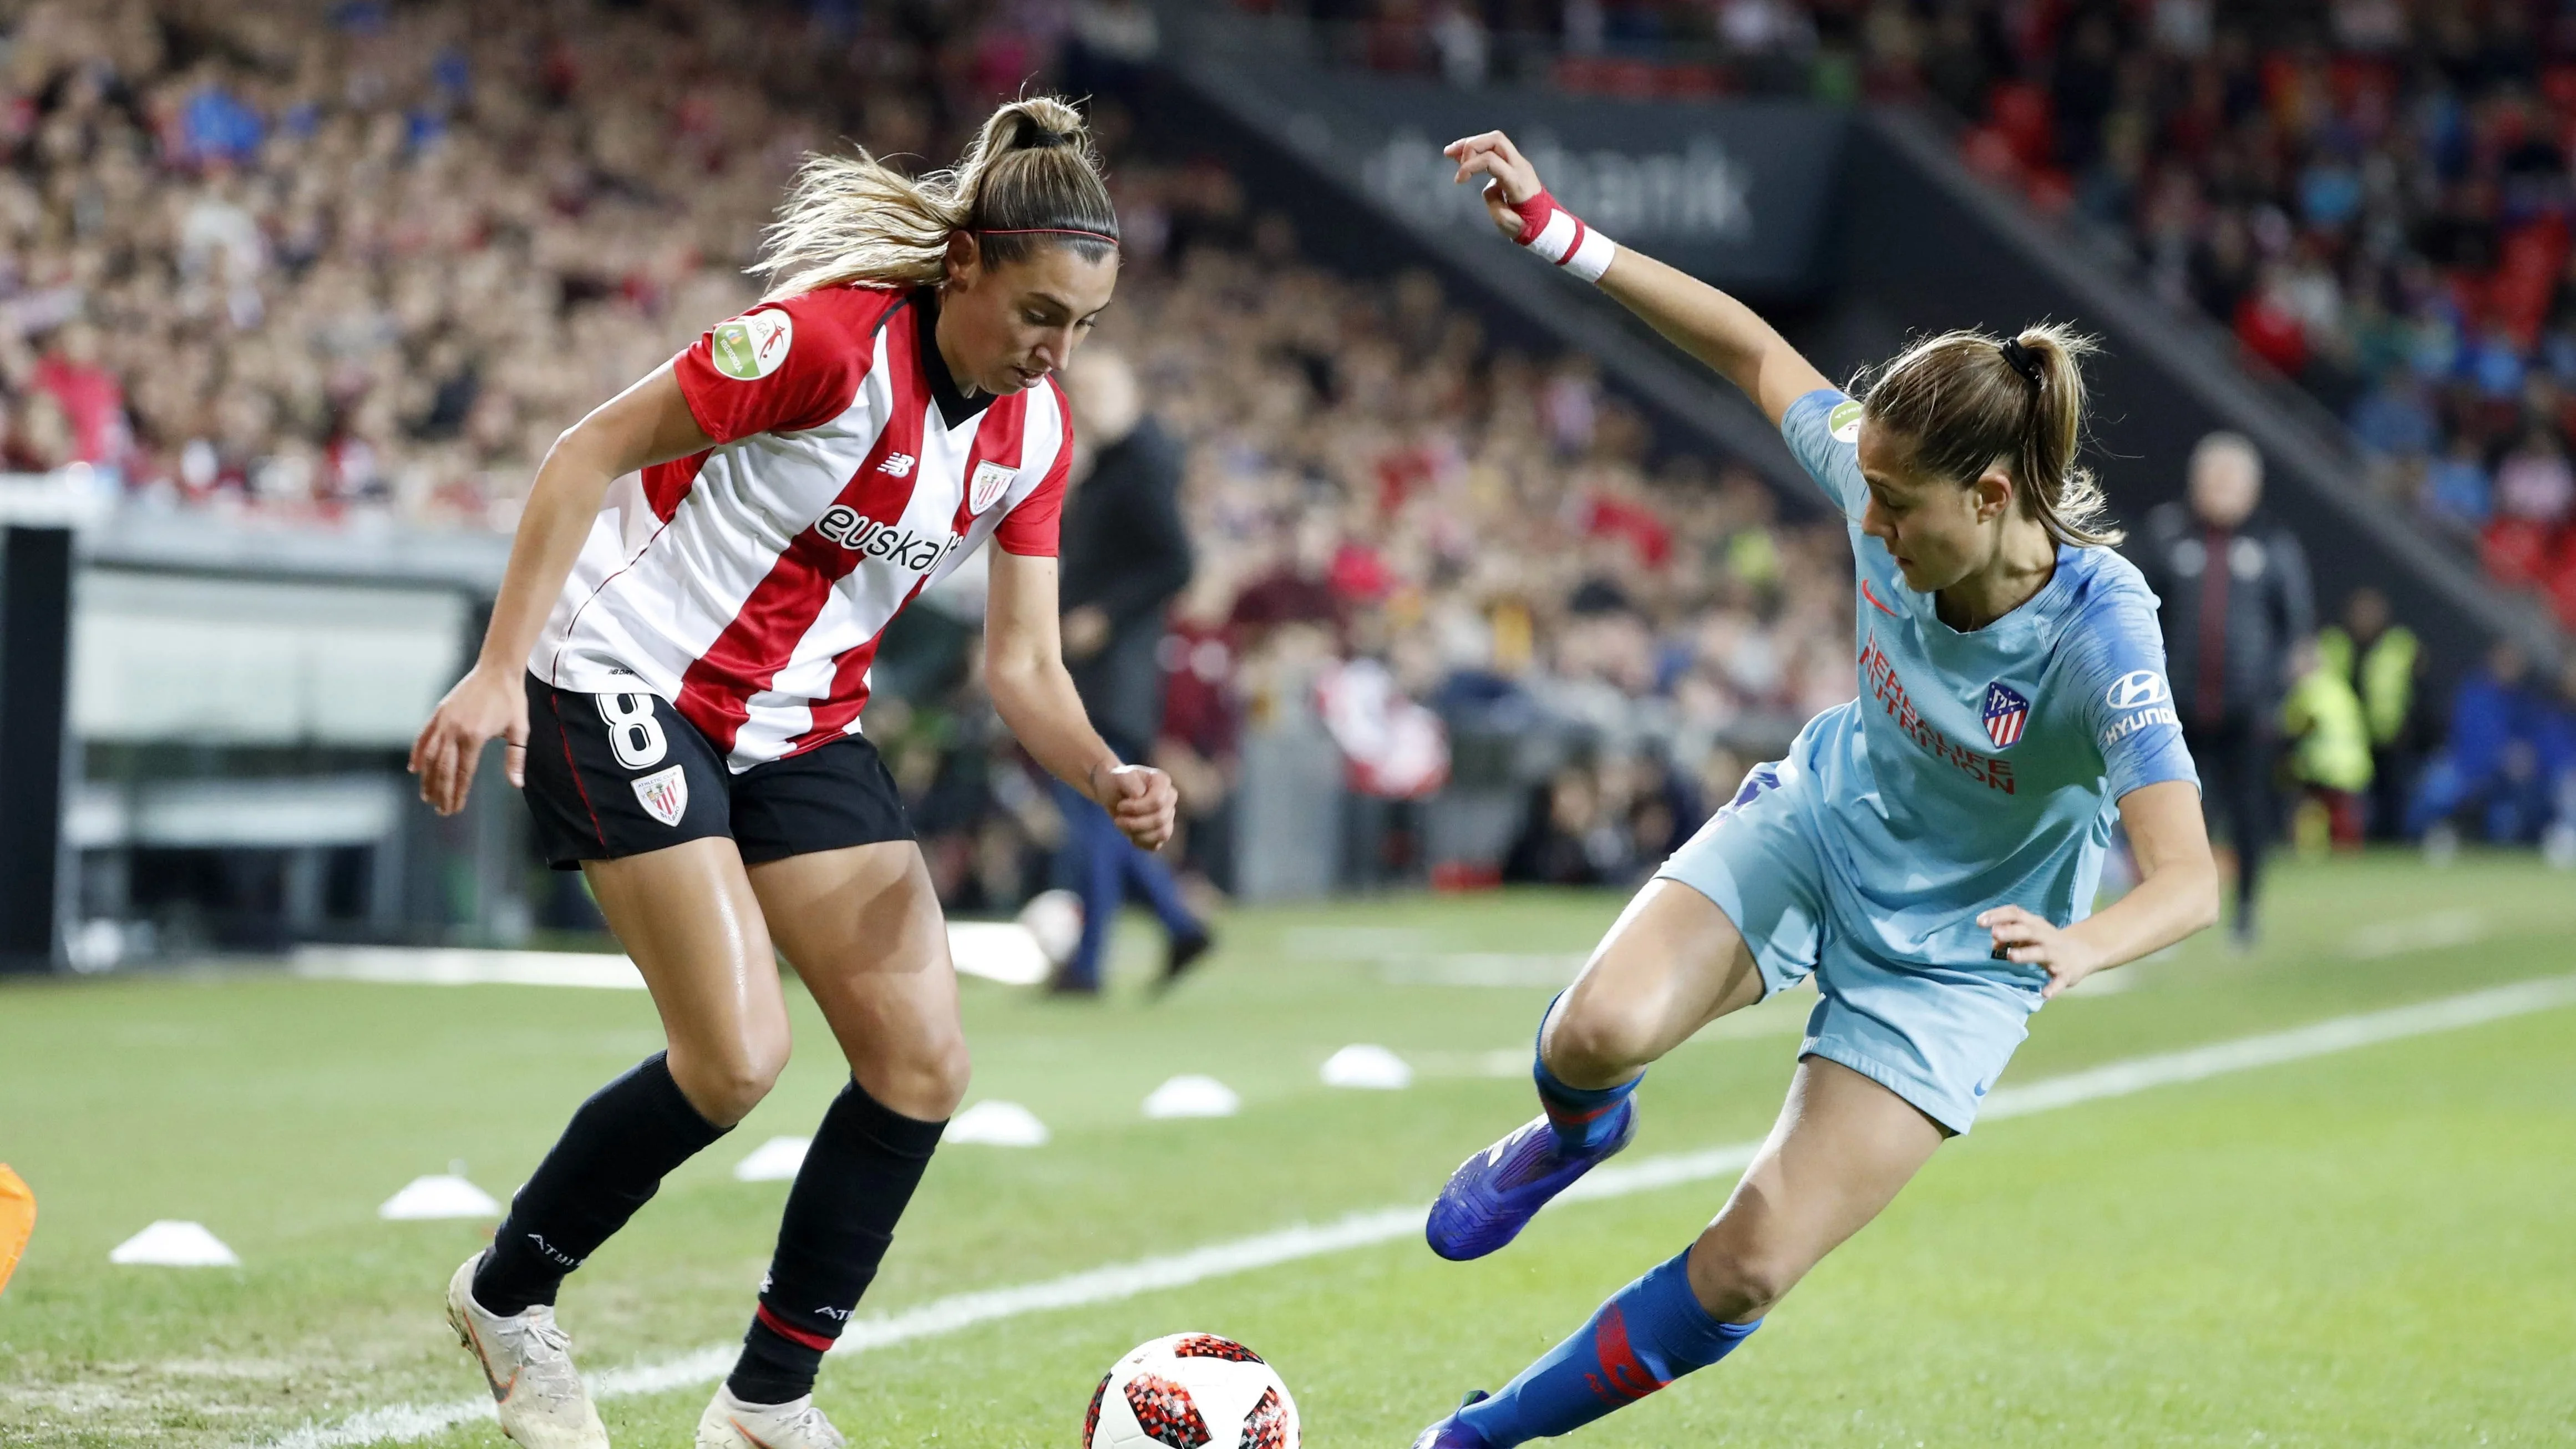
[898, 465]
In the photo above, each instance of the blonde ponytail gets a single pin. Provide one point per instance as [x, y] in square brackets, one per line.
[1968, 401]
[1030, 178]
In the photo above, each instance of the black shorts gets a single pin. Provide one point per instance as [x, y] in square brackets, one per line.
[613, 775]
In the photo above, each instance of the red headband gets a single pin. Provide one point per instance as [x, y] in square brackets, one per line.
[1045, 231]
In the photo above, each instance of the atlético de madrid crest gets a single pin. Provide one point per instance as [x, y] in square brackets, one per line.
[2006, 714]
[664, 794]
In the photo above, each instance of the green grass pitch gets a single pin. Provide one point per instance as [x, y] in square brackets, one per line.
[2371, 1247]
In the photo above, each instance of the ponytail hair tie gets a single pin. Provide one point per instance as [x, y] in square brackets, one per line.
[2023, 361]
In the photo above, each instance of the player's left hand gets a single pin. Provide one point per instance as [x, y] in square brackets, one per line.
[1511, 179]
[1141, 800]
[2036, 941]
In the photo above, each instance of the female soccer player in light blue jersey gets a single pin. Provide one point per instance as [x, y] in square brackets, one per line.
[1928, 852]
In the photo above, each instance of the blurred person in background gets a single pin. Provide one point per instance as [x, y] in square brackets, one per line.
[2489, 761]
[1126, 556]
[2237, 606]
[1201, 744]
[2383, 662]
[2557, 751]
[2329, 738]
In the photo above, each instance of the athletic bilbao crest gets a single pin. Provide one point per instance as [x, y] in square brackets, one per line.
[2006, 714]
[986, 488]
[664, 794]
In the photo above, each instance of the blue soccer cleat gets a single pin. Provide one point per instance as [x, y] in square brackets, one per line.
[1495, 1193]
[1450, 1434]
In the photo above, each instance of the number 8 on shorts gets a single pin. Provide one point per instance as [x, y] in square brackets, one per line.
[633, 733]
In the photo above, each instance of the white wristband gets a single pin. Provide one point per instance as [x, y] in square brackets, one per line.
[1557, 234]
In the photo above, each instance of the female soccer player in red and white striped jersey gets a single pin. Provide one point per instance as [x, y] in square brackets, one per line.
[678, 662]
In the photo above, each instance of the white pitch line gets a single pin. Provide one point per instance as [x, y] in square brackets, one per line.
[1118, 1281]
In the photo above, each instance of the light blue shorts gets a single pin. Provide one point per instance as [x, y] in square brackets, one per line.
[1938, 1036]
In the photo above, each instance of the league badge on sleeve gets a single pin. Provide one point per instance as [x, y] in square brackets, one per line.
[1843, 423]
[751, 347]
[2007, 714]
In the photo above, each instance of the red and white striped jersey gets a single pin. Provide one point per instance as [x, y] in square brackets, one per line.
[749, 584]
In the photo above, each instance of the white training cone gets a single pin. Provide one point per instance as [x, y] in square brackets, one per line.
[1370, 1068]
[775, 1160]
[1193, 1096]
[997, 1124]
[442, 1195]
[171, 1244]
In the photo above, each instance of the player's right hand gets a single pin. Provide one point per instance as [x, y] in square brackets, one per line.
[1141, 801]
[1510, 181]
[479, 707]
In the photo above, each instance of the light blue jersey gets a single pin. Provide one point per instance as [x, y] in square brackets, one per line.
[1984, 768]
[1976, 770]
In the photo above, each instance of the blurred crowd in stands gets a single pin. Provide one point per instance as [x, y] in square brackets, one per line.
[346, 262]
[352, 262]
[2372, 195]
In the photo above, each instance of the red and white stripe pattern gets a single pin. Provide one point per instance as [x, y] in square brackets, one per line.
[1557, 234]
[2007, 714]
[750, 584]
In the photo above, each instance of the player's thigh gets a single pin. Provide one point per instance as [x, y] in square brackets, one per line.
[863, 928]
[1735, 914]
[1670, 965]
[687, 915]
[1842, 1148]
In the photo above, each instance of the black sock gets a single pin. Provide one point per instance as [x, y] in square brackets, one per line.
[610, 1160]
[861, 1170]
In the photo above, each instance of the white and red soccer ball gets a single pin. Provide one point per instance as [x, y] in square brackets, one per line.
[1191, 1391]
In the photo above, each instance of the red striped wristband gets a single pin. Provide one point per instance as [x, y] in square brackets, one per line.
[1557, 234]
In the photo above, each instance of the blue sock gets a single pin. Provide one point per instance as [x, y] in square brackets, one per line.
[1582, 1117]
[1650, 1333]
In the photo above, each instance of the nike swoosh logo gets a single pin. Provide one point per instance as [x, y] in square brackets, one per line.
[500, 1390]
[1873, 600]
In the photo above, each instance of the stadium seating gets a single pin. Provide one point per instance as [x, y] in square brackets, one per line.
[326, 267]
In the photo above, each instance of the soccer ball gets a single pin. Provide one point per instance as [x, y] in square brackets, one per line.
[1191, 1391]
[1055, 919]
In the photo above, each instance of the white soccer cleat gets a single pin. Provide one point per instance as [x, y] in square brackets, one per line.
[528, 1361]
[729, 1423]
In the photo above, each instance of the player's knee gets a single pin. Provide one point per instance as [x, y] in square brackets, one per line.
[1734, 1284]
[725, 1082]
[1596, 1042]
[945, 1073]
[926, 1080]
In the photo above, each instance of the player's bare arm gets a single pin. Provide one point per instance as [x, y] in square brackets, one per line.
[1024, 671]
[1694, 316]
[648, 423]
[2176, 895]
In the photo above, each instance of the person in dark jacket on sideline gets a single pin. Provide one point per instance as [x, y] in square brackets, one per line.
[2237, 608]
[1125, 556]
